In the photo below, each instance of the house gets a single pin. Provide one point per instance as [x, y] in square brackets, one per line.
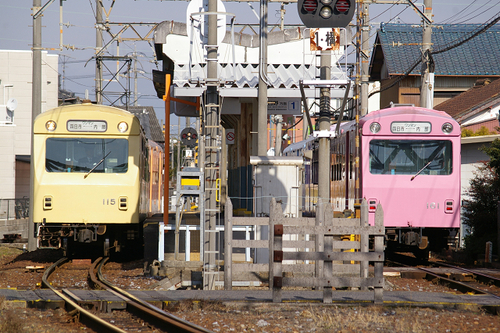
[476, 107]
[397, 49]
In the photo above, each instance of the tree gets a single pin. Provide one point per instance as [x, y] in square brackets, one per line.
[480, 213]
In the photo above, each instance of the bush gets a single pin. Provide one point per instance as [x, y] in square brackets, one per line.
[480, 213]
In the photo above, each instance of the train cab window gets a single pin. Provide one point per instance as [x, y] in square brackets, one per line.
[407, 157]
[85, 154]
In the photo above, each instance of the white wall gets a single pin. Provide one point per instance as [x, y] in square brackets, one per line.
[16, 82]
[7, 161]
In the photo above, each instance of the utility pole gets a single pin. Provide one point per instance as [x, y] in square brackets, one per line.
[211, 135]
[36, 109]
[98, 47]
[427, 81]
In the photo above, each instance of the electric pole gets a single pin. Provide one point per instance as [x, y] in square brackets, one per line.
[427, 76]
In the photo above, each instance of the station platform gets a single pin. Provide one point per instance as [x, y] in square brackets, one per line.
[106, 301]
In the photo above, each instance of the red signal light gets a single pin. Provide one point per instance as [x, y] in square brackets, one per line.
[342, 6]
[310, 5]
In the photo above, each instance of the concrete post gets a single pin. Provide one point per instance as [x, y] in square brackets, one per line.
[36, 109]
[426, 84]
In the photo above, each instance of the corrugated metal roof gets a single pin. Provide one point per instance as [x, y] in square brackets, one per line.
[401, 44]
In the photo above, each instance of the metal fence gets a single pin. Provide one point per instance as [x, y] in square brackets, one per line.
[13, 209]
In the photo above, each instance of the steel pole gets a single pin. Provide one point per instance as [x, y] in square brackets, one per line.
[262, 89]
[324, 125]
[98, 47]
[365, 44]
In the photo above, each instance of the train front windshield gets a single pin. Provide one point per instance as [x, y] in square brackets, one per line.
[83, 155]
[409, 157]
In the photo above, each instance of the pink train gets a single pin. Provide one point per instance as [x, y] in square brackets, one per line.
[409, 162]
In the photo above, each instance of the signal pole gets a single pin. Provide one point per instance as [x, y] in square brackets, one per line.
[324, 125]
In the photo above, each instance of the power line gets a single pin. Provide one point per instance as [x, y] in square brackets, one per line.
[452, 45]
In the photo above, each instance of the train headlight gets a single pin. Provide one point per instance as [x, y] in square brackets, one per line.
[50, 125]
[447, 128]
[374, 127]
[122, 127]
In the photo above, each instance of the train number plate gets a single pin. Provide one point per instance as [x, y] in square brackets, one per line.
[410, 127]
[87, 126]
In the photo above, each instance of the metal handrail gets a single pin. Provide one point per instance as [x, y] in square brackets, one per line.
[14, 209]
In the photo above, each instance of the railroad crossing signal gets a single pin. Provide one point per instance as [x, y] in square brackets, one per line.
[326, 13]
[189, 137]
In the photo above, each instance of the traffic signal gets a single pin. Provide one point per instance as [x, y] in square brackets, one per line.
[326, 13]
[189, 136]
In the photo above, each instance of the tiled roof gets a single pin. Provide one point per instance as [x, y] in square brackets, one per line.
[401, 43]
[149, 121]
[479, 96]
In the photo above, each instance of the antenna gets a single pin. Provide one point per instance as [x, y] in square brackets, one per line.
[12, 104]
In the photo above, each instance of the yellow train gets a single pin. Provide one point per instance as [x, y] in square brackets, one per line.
[97, 178]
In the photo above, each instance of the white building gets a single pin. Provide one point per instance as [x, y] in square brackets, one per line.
[15, 126]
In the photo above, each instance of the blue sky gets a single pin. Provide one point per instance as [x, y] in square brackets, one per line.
[16, 22]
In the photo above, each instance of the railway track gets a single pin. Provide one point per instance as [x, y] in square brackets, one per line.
[139, 315]
[454, 282]
[481, 278]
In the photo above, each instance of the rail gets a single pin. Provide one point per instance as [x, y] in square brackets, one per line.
[140, 308]
[291, 252]
[482, 277]
[87, 318]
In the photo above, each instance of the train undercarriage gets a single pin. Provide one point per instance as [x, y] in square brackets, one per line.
[91, 239]
[421, 241]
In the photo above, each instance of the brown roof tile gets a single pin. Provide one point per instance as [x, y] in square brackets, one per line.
[481, 93]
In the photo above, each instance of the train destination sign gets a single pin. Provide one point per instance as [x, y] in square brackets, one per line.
[410, 127]
[86, 126]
